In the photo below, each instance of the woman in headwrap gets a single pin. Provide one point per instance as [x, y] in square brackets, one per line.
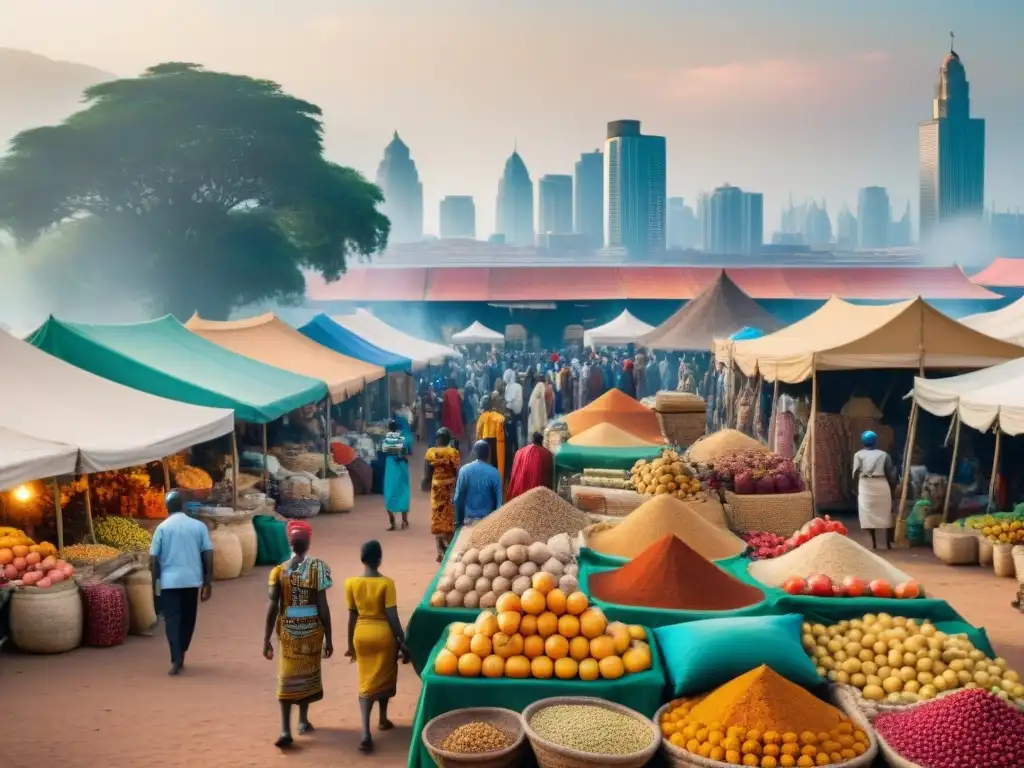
[441, 467]
[298, 610]
[451, 410]
[537, 407]
[375, 639]
[396, 448]
[875, 475]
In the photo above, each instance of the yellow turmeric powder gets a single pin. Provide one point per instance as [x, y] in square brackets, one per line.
[765, 700]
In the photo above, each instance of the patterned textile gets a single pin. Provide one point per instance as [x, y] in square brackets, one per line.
[374, 643]
[444, 463]
[299, 631]
[833, 461]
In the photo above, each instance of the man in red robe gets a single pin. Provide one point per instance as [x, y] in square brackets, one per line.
[531, 468]
[451, 410]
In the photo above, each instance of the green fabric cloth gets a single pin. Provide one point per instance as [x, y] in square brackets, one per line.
[576, 458]
[164, 358]
[271, 540]
[643, 692]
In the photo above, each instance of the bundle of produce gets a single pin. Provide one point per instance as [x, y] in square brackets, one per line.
[766, 545]
[669, 574]
[830, 554]
[669, 401]
[762, 719]
[123, 533]
[540, 511]
[27, 566]
[607, 478]
[1009, 530]
[663, 516]
[900, 661]
[545, 633]
[193, 479]
[967, 729]
[89, 554]
[752, 472]
[15, 543]
[664, 476]
[720, 444]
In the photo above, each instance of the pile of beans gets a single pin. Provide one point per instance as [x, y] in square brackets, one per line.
[595, 730]
[475, 738]
[967, 729]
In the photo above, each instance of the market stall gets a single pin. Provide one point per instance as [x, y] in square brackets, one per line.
[330, 334]
[478, 333]
[620, 332]
[1006, 324]
[369, 328]
[24, 458]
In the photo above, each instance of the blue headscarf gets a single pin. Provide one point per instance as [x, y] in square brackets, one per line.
[869, 439]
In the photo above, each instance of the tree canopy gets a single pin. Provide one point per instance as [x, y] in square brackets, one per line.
[203, 190]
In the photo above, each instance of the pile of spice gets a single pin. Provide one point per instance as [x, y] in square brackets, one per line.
[966, 729]
[540, 511]
[665, 516]
[618, 408]
[591, 729]
[609, 436]
[832, 554]
[669, 574]
[762, 719]
[476, 738]
[722, 443]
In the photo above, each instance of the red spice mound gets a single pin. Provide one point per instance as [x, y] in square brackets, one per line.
[668, 574]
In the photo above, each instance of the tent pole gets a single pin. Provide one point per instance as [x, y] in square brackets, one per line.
[995, 469]
[234, 466]
[327, 434]
[908, 454]
[58, 514]
[772, 439]
[167, 474]
[952, 467]
[266, 471]
[812, 433]
[88, 508]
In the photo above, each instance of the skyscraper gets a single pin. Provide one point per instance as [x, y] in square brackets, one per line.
[734, 221]
[458, 217]
[951, 152]
[588, 202]
[680, 224]
[874, 216]
[515, 202]
[634, 190]
[846, 228]
[403, 193]
[555, 193]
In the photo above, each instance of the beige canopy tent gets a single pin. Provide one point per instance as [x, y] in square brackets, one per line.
[1006, 324]
[270, 340]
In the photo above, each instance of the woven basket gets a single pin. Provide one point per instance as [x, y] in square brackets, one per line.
[505, 720]
[778, 513]
[891, 756]
[986, 550]
[1002, 561]
[669, 401]
[610, 502]
[551, 755]
[1018, 562]
[682, 429]
[299, 509]
[954, 546]
[47, 620]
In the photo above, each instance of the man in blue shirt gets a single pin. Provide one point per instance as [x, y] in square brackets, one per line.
[181, 560]
[478, 488]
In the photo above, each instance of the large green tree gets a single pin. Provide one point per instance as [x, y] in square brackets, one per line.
[199, 190]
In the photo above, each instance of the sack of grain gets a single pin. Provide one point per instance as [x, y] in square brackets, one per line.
[227, 554]
[1002, 561]
[668, 401]
[780, 513]
[141, 609]
[954, 546]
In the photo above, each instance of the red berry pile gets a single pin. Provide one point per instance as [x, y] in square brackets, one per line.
[765, 545]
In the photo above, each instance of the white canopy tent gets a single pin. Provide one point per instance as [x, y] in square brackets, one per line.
[979, 398]
[24, 458]
[624, 329]
[1006, 324]
[478, 333]
[380, 334]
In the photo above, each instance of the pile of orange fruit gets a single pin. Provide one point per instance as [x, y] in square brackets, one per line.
[542, 634]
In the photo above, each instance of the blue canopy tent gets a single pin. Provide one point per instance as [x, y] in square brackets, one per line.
[330, 334]
[746, 333]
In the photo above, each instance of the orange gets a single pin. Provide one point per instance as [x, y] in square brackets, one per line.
[592, 623]
[589, 669]
[611, 667]
[509, 602]
[446, 663]
[566, 668]
[508, 622]
[568, 625]
[576, 603]
[544, 582]
[533, 602]
[469, 630]
[457, 628]
[533, 646]
[458, 644]
[517, 667]
[469, 665]
[602, 647]
[480, 645]
[547, 624]
[507, 645]
[487, 625]
[579, 648]
[556, 647]
[556, 601]
[542, 667]
[528, 625]
[620, 632]
[493, 666]
[637, 632]
[637, 659]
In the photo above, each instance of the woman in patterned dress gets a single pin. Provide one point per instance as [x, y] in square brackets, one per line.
[298, 610]
[442, 465]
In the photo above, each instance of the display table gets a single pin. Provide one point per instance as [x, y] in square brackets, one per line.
[576, 458]
[644, 692]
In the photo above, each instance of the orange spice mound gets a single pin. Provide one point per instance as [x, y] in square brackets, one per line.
[617, 408]
[669, 574]
[608, 436]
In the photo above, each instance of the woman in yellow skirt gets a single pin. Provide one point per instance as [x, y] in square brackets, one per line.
[375, 639]
[299, 611]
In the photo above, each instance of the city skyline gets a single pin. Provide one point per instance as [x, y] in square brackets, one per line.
[837, 98]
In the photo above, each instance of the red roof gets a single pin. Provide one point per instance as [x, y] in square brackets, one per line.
[1002, 273]
[511, 284]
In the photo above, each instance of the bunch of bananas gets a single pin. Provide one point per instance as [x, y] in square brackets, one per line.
[193, 479]
[123, 533]
[88, 554]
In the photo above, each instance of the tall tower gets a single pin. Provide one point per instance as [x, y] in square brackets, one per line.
[403, 193]
[588, 202]
[875, 217]
[634, 190]
[951, 152]
[555, 193]
[515, 202]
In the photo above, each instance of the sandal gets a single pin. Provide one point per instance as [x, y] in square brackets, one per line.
[366, 745]
[284, 741]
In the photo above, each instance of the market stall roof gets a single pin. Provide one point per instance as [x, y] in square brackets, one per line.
[1001, 273]
[979, 398]
[163, 358]
[325, 331]
[619, 409]
[380, 334]
[270, 340]
[721, 309]
[624, 329]
[844, 336]
[1006, 323]
[24, 458]
[106, 425]
[478, 333]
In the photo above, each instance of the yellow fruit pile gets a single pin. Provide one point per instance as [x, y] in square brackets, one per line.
[123, 533]
[1005, 532]
[666, 475]
[14, 537]
[88, 554]
[543, 634]
[193, 479]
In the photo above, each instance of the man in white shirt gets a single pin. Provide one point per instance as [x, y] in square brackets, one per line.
[514, 403]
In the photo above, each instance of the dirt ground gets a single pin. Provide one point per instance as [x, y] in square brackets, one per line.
[118, 708]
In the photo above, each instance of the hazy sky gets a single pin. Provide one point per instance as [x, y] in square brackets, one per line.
[813, 97]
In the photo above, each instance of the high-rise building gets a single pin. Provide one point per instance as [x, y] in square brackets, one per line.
[680, 225]
[588, 203]
[874, 215]
[846, 228]
[900, 232]
[555, 204]
[951, 152]
[458, 217]
[734, 221]
[634, 190]
[399, 180]
[1008, 233]
[515, 202]
[817, 225]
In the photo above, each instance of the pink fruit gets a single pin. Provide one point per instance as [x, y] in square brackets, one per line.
[880, 588]
[794, 586]
[820, 585]
[43, 583]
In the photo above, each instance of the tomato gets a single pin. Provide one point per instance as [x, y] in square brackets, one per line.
[880, 588]
[794, 586]
[854, 587]
[820, 585]
[817, 527]
[908, 589]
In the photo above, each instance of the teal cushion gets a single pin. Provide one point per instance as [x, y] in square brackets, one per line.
[701, 655]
